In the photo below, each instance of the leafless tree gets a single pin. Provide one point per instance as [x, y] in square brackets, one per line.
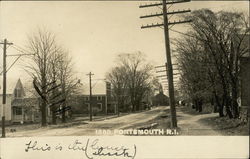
[220, 37]
[134, 75]
[69, 84]
[118, 80]
[54, 75]
[42, 44]
[50, 67]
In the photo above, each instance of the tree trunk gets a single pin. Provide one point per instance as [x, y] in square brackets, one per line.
[63, 104]
[193, 106]
[63, 112]
[137, 106]
[196, 105]
[200, 105]
[215, 108]
[219, 105]
[43, 113]
[221, 114]
[133, 106]
[53, 109]
[228, 110]
[132, 101]
[118, 105]
[44, 104]
[54, 118]
[235, 106]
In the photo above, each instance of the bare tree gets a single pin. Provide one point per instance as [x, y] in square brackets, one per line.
[134, 75]
[117, 78]
[42, 45]
[54, 74]
[220, 37]
[52, 71]
[67, 80]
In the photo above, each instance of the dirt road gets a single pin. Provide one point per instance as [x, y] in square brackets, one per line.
[89, 128]
[190, 124]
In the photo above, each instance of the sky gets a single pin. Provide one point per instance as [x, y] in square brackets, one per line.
[94, 32]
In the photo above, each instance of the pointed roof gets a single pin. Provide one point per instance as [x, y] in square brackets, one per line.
[19, 85]
[98, 88]
[11, 85]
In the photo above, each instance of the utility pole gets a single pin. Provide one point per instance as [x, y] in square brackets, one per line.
[4, 72]
[106, 100]
[108, 96]
[169, 68]
[90, 96]
[5, 43]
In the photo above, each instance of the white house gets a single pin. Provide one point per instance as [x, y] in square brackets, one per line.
[19, 108]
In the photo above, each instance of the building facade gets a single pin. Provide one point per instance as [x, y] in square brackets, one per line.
[245, 87]
[101, 101]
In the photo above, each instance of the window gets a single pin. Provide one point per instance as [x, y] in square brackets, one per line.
[99, 97]
[17, 93]
[87, 105]
[99, 106]
[17, 111]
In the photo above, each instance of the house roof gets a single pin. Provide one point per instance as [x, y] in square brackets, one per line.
[10, 85]
[98, 88]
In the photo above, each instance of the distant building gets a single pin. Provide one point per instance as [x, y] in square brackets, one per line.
[244, 99]
[102, 101]
[80, 104]
[160, 100]
[245, 81]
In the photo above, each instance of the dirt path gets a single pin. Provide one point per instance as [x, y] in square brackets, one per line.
[190, 124]
[89, 128]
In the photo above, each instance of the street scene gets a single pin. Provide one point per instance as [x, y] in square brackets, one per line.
[129, 68]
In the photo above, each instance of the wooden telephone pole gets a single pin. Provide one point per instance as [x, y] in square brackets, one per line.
[169, 68]
[5, 43]
[90, 96]
[4, 72]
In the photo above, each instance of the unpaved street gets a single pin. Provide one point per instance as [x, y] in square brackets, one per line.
[188, 124]
[89, 128]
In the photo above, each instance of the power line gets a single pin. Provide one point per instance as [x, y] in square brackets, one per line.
[183, 33]
[161, 4]
[13, 63]
[20, 50]
[97, 80]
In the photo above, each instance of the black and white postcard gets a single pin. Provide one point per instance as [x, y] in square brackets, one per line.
[121, 79]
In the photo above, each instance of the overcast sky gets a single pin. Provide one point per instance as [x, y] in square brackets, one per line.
[93, 32]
